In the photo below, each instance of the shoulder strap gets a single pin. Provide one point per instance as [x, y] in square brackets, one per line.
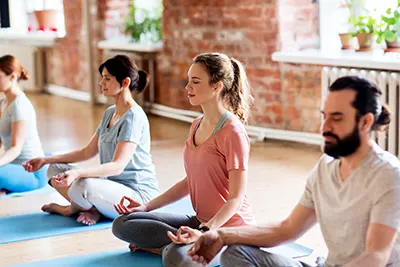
[222, 122]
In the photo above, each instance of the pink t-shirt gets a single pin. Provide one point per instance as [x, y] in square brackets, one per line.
[207, 166]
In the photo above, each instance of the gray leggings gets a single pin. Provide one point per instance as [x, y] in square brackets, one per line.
[246, 256]
[149, 230]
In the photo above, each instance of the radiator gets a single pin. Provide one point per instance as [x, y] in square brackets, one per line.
[389, 83]
[31, 58]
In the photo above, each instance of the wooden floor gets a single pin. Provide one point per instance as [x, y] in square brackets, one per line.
[277, 175]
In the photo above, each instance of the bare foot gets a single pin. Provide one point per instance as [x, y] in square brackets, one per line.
[58, 209]
[134, 248]
[3, 193]
[89, 217]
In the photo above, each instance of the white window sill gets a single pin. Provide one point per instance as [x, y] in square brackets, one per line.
[40, 39]
[375, 60]
[125, 45]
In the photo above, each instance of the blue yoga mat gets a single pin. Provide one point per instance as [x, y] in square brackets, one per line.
[47, 189]
[124, 258]
[38, 225]
[182, 206]
[120, 258]
[290, 250]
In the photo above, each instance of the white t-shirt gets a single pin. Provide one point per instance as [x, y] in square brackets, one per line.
[344, 209]
[21, 109]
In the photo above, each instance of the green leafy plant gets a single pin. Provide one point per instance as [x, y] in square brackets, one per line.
[390, 28]
[363, 24]
[353, 7]
[143, 25]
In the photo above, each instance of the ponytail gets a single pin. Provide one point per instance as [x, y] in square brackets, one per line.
[382, 121]
[238, 98]
[24, 74]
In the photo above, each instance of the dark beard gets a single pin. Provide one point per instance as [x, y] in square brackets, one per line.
[343, 147]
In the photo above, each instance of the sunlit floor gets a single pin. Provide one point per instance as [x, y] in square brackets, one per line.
[277, 175]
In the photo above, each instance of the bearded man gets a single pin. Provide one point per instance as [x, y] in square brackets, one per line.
[353, 193]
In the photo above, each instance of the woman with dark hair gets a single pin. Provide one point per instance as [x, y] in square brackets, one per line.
[18, 131]
[123, 141]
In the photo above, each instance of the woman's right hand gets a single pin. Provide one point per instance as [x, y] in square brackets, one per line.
[133, 206]
[34, 165]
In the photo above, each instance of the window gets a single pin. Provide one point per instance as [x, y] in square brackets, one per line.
[22, 17]
[145, 25]
[379, 7]
[4, 15]
[148, 4]
[334, 19]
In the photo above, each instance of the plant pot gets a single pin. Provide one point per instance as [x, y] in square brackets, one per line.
[394, 44]
[347, 41]
[46, 19]
[365, 41]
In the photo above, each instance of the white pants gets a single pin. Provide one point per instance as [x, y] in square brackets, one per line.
[95, 192]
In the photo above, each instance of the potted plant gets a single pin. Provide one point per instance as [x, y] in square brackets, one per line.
[144, 25]
[365, 29]
[347, 41]
[346, 38]
[390, 30]
[46, 18]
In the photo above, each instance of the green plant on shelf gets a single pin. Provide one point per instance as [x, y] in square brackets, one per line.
[390, 28]
[363, 24]
[144, 25]
[352, 9]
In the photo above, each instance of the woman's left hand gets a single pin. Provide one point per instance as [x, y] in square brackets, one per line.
[185, 235]
[65, 179]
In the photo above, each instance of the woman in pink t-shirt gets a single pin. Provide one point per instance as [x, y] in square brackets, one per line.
[215, 157]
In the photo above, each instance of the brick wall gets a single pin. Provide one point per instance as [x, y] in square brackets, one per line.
[247, 30]
[250, 30]
[300, 100]
[299, 24]
[114, 13]
[301, 97]
[66, 61]
[108, 23]
[287, 96]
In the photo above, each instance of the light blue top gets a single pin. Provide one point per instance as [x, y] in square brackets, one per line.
[134, 127]
[21, 109]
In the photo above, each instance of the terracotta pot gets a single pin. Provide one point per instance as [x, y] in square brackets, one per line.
[394, 44]
[347, 41]
[365, 41]
[46, 19]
